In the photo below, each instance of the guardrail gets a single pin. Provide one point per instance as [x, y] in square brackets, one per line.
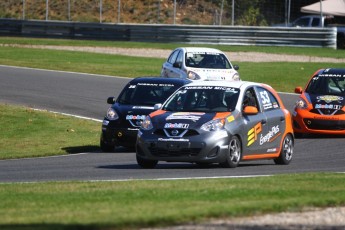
[196, 34]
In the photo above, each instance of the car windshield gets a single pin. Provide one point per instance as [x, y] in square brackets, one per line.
[147, 94]
[203, 99]
[207, 60]
[322, 84]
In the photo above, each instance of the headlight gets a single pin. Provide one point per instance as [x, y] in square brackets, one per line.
[112, 114]
[193, 76]
[147, 123]
[213, 125]
[301, 104]
[236, 77]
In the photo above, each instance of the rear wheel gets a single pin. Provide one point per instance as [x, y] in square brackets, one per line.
[146, 164]
[286, 152]
[234, 155]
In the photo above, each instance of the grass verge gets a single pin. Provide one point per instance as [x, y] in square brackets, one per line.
[134, 204]
[29, 133]
[283, 76]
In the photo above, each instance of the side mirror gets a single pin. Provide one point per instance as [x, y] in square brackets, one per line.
[177, 65]
[236, 67]
[157, 106]
[250, 110]
[298, 90]
[111, 100]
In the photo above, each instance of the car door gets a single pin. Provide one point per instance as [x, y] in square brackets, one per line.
[275, 126]
[171, 68]
[253, 124]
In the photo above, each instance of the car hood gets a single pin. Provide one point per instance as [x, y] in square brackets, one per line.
[214, 74]
[184, 120]
[320, 101]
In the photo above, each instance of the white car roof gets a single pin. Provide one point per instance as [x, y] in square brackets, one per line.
[235, 84]
[201, 49]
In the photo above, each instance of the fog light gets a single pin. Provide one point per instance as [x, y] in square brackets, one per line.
[214, 152]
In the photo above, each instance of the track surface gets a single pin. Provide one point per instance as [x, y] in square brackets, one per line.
[85, 95]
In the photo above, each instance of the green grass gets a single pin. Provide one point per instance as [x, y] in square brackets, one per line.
[309, 51]
[29, 133]
[134, 204]
[283, 76]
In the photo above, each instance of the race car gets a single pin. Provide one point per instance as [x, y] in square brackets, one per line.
[217, 122]
[320, 107]
[136, 100]
[199, 63]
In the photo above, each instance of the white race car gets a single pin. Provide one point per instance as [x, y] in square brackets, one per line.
[197, 63]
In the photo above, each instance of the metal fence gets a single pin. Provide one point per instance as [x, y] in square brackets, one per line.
[185, 12]
[229, 35]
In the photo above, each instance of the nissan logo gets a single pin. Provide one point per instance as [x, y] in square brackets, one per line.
[174, 132]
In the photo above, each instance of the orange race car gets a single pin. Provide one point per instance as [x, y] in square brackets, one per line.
[320, 107]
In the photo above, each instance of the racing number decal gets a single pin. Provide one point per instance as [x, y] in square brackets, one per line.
[264, 97]
[253, 133]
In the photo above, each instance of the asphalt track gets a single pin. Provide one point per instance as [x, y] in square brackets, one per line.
[85, 95]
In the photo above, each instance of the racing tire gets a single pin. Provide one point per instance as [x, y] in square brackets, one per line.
[146, 164]
[234, 155]
[106, 147]
[286, 151]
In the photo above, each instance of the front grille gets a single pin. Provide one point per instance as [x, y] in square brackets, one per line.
[327, 111]
[324, 124]
[190, 132]
[163, 152]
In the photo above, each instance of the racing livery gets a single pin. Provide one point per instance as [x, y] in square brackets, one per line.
[217, 122]
[135, 102]
[320, 107]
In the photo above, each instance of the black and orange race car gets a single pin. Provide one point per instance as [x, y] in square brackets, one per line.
[221, 122]
[320, 107]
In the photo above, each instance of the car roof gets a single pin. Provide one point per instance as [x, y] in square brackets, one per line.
[337, 71]
[234, 84]
[200, 49]
[160, 80]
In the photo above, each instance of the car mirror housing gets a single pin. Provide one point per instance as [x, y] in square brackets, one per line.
[298, 90]
[250, 110]
[177, 65]
[111, 100]
[236, 67]
[157, 106]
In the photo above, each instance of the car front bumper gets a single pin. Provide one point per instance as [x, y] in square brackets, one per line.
[209, 147]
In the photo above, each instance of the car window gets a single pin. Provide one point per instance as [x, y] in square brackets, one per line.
[146, 93]
[321, 84]
[179, 58]
[203, 99]
[267, 99]
[249, 99]
[172, 57]
[303, 22]
[207, 60]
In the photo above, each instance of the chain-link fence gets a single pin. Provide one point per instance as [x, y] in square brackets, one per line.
[187, 12]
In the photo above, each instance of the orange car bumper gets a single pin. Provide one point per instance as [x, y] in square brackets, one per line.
[306, 122]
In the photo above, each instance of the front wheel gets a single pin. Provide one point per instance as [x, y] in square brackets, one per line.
[286, 152]
[146, 164]
[234, 155]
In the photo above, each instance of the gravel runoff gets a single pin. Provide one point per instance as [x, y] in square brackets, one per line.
[316, 219]
[163, 53]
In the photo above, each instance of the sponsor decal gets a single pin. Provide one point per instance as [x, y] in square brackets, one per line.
[329, 98]
[230, 118]
[185, 115]
[155, 84]
[176, 126]
[327, 106]
[270, 136]
[142, 107]
[272, 150]
[253, 133]
[105, 122]
[174, 140]
[331, 75]
[326, 118]
[135, 117]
